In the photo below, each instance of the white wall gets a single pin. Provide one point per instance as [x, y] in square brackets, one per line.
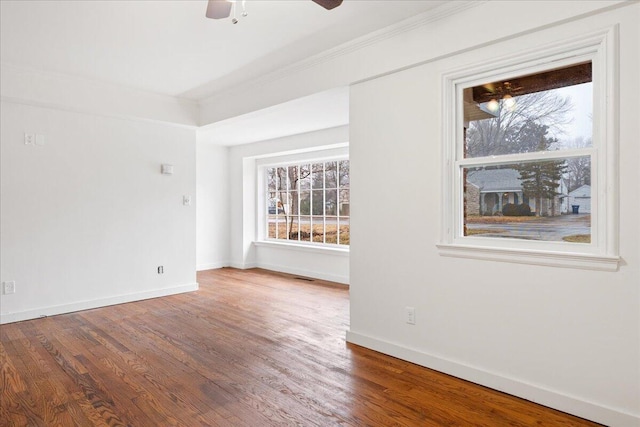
[426, 36]
[242, 188]
[565, 337]
[87, 218]
[73, 93]
[212, 216]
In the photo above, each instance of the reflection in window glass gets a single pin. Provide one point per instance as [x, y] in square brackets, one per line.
[540, 112]
[536, 194]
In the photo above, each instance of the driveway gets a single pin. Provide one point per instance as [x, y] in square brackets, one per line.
[546, 228]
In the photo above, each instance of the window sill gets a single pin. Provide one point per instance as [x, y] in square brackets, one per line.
[339, 251]
[519, 256]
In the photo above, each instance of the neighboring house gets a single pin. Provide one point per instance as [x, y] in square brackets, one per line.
[488, 190]
[580, 197]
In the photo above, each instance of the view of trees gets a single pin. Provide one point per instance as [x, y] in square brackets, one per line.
[513, 130]
[578, 168]
[527, 127]
[540, 180]
[313, 201]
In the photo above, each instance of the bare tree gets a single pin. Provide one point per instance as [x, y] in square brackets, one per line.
[578, 168]
[503, 133]
[288, 182]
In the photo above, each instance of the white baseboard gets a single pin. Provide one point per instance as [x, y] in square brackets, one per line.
[244, 266]
[321, 275]
[212, 266]
[562, 402]
[87, 305]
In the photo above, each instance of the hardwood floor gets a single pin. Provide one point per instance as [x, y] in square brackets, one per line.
[250, 348]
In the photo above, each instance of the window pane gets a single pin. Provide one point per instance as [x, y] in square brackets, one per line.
[271, 180]
[344, 174]
[344, 231]
[305, 202]
[282, 179]
[539, 112]
[305, 177]
[331, 175]
[542, 200]
[344, 202]
[317, 202]
[271, 226]
[317, 175]
[331, 202]
[294, 205]
[305, 228]
[318, 229]
[331, 229]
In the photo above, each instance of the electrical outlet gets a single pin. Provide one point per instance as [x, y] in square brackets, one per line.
[29, 139]
[9, 287]
[160, 269]
[411, 315]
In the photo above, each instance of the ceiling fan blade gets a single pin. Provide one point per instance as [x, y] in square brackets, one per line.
[328, 4]
[218, 9]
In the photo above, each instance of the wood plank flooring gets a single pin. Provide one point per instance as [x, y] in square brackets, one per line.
[250, 348]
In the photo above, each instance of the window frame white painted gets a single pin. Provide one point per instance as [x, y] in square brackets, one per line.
[336, 152]
[600, 48]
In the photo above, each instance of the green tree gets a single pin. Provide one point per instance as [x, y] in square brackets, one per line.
[541, 179]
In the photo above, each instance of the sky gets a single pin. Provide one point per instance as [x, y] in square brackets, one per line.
[582, 99]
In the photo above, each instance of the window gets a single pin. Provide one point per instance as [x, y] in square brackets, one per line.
[529, 149]
[307, 202]
[542, 123]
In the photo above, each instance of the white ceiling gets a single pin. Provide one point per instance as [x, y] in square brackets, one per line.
[171, 48]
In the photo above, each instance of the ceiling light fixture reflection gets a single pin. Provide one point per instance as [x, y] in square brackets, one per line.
[493, 105]
[509, 102]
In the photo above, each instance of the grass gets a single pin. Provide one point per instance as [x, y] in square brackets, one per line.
[319, 234]
[578, 238]
[474, 231]
[500, 219]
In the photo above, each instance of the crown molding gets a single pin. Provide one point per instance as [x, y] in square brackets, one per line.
[155, 96]
[441, 12]
[33, 86]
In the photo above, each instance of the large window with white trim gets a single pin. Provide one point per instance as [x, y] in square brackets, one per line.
[529, 151]
[307, 202]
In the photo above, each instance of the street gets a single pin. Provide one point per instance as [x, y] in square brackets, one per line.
[546, 228]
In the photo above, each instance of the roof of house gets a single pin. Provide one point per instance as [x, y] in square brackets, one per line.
[582, 191]
[495, 180]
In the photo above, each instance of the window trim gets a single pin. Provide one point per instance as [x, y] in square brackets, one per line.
[334, 152]
[602, 254]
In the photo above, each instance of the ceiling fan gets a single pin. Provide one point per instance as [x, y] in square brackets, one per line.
[220, 9]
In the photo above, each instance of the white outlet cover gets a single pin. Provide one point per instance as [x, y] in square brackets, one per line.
[9, 287]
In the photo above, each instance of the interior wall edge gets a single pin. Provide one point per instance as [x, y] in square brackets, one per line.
[531, 392]
[344, 280]
[212, 266]
[97, 303]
